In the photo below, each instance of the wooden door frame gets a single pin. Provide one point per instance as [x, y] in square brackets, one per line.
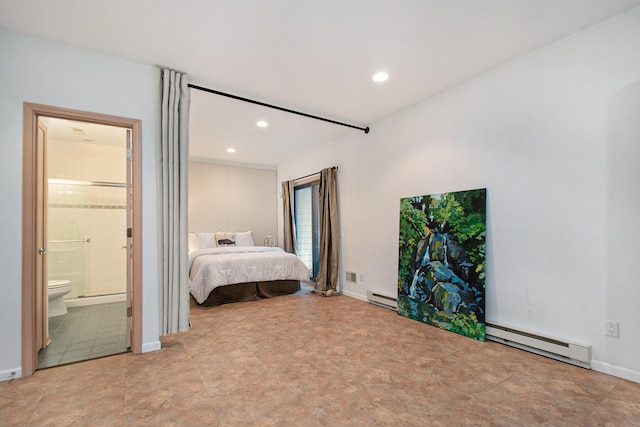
[40, 291]
[31, 112]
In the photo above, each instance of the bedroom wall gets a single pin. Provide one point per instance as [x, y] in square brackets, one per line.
[232, 198]
[42, 72]
[554, 137]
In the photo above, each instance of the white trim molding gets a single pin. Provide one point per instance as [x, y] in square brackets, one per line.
[10, 374]
[151, 346]
[354, 295]
[616, 371]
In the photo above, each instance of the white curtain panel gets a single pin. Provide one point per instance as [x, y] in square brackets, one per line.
[172, 163]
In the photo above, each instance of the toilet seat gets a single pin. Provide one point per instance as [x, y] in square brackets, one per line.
[54, 284]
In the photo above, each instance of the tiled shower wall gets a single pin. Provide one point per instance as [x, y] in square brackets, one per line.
[95, 214]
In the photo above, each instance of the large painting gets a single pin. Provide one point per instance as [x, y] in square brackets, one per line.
[441, 274]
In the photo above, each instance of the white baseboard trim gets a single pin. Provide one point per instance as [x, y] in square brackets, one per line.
[10, 374]
[354, 295]
[151, 346]
[616, 371]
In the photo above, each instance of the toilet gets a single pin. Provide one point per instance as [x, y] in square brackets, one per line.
[56, 290]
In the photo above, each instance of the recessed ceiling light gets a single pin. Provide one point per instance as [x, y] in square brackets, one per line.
[262, 124]
[231, 150]
[380, 77]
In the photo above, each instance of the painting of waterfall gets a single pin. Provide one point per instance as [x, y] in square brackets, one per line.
[441, 272]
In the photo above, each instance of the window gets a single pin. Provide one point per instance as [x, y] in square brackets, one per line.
[307, 219]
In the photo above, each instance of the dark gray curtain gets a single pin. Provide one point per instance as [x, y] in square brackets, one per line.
[327, 280]
[172, 155]
[288, 211]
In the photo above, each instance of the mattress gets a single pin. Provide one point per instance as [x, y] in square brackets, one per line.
[214, 267]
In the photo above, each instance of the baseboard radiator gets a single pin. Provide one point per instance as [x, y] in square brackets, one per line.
[569, 352]
[382, 300]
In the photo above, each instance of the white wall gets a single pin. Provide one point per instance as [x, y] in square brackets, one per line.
[42, 72]
[232, 198]
[554, 138]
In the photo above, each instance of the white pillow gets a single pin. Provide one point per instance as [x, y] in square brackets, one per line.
[193, 242]
[244, 238]
[206, 240]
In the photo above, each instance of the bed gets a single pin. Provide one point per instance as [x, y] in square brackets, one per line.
[223, 272]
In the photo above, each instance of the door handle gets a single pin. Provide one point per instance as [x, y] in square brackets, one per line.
[42, 251]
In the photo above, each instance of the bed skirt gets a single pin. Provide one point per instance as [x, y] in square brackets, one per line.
[252, 291]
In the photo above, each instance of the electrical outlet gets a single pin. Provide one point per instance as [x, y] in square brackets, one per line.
[611, 328]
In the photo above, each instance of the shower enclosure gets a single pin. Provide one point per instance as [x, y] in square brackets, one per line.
[87, 232]
[87, 210]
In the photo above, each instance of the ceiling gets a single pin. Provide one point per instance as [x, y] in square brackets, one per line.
[312, 56]
[85, 132]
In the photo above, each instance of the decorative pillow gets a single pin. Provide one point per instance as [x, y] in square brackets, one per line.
[206, 240]
[244, 238]
[224, 239]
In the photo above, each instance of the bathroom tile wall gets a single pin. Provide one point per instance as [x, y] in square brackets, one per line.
[97, 267]
[79, 212]
[90, 161]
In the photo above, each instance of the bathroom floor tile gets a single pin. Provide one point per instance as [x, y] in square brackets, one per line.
[72, 359]
[105, 348]
[49, 361]
[85, 332]
[77, 352]
[85, 345]
[107, 340]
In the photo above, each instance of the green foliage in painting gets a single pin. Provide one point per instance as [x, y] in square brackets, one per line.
[463, 324]
[464, 212]
[412, 225]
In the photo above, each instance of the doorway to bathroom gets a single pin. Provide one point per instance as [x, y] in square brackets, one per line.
[86, 229]
[82, 260]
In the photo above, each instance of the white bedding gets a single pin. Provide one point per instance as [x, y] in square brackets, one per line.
[213, 267]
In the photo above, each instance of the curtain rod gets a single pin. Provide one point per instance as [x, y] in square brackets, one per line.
[263, 104]
[313, 174]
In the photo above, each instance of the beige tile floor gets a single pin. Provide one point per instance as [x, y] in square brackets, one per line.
[304, 360]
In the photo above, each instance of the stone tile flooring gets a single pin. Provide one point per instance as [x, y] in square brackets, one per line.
[305, 360]
[86, 332]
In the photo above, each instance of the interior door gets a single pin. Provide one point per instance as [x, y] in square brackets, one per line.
[33, 264]
[41, 239]
[129, 237]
